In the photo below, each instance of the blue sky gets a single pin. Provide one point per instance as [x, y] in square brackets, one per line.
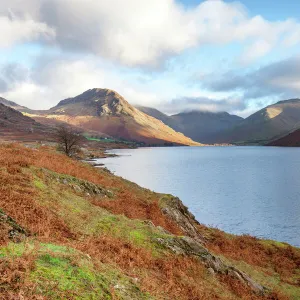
[271, 9]
[175, 55]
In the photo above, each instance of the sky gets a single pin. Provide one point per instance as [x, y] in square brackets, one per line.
[174, 55]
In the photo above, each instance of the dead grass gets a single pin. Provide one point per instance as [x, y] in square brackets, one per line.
[130, 200]
[285, 260]
[244, 292]
[178, 277]
[134, 207]
[13, 278]
[18, 196]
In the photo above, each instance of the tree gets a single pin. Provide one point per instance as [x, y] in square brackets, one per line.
[68, 140]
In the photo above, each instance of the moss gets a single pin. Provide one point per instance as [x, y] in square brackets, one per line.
[62, 272]
[39, 184]
[15, 250]
[164, 200]
[87, 219]
[271, 244]
[69, 280]
[78, 185]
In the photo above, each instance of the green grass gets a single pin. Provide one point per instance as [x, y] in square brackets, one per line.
[59, 277]
[39, 184]
[271, 243]
[61, 272]
[86, 219]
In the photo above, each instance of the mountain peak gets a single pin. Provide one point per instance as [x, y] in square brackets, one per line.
[106, 111]
[95, 102]
[101, 92]
[91, 95]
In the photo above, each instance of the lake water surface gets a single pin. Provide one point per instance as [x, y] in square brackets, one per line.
[254, 190]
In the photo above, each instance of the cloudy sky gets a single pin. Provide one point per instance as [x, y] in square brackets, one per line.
[175, 55]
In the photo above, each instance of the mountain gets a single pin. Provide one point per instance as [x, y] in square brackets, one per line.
[271, 122]
[201, 125]
[290, 140]
[155, 113]
[105, 111]
[198, 125]
[14, 125]
[13, 105]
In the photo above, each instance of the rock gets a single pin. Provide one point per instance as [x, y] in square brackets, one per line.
[80, 185]
[241, 276]
[211, 271]
[15, 232]
[119, 287]
[179, 213]
[98, 165]
[191, 246]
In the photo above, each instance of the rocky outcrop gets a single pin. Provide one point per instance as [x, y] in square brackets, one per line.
[190, 247]
[78, 185]
[10, 230]
[193, 243]
[179, 213]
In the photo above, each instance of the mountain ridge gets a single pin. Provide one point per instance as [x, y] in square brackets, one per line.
[272, 121]
[107, 112]
[15, 125]
[196, 124]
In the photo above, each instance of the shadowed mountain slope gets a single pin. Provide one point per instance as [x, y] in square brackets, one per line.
[13, 124]
[198, 125]
[290, 140]
[201, 125]
[270, 122]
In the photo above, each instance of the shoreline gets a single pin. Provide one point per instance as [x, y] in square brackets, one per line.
[103, 165]
[111, 234]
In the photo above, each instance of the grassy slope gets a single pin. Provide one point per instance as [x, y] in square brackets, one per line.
[94, 236]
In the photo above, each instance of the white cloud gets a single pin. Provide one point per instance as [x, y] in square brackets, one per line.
[255, 51]
[277, 79]
[142, 32]
[145, 33]
[16, 30]
[55, 79]
[204, 104]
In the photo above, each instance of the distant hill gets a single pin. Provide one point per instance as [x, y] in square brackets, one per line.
[269, 123]
[107, 112]
[155, 113]
[14, 125]
[12, 104]
[200, 126]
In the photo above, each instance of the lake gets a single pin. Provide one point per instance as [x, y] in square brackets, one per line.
[251, 190]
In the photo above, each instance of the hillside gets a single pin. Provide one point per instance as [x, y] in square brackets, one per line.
[72, 231]
[155, 113]
[12, 104]
[200, 126]
[106, 112]
[270, 122]
[14, 125]
[290, 140]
